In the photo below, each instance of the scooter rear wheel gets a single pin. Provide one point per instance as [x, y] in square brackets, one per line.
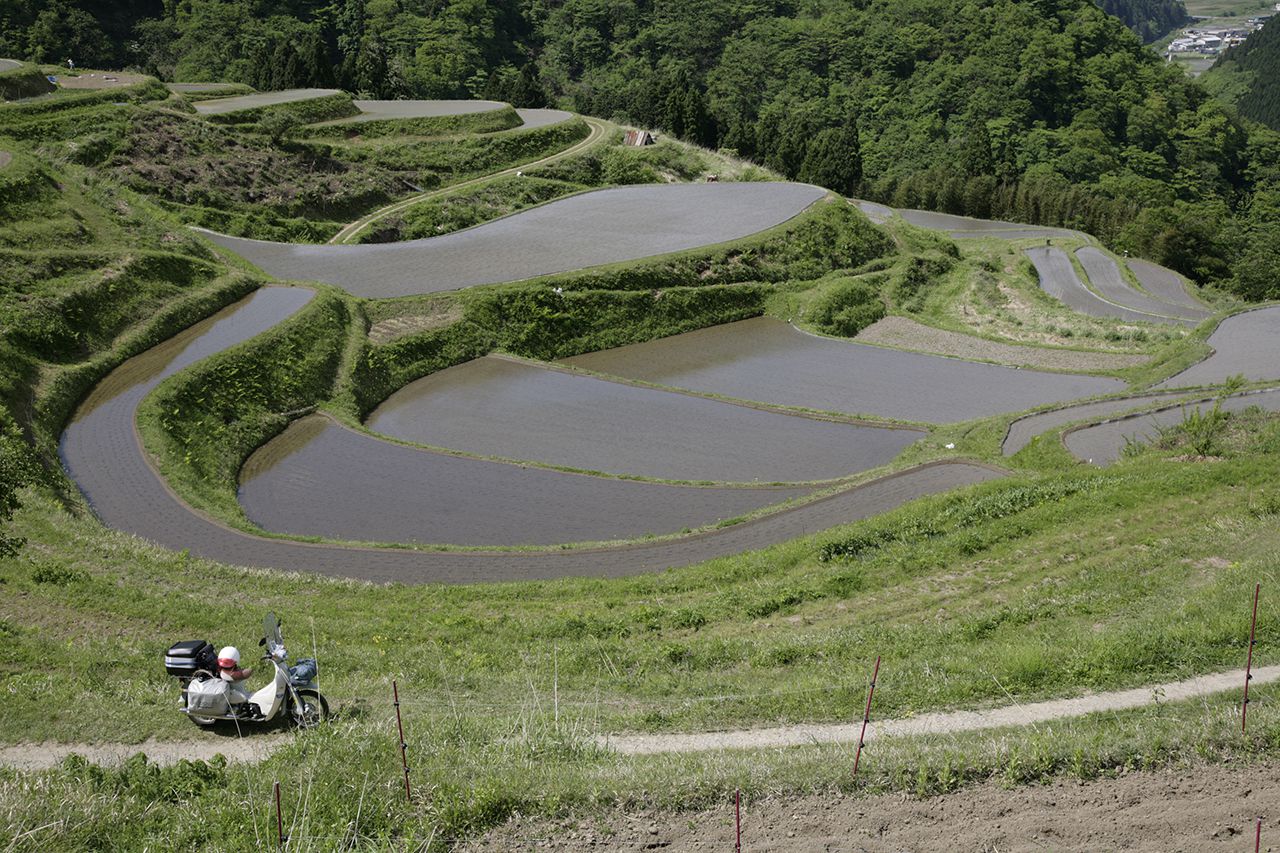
[312, 710]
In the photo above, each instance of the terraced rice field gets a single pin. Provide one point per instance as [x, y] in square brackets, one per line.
[1164, 284]
[1023, 430]
[380, 110]
[221, 106]
[1059, 279]
[768, 361]
[195, 88]
[1105, 276]
[608, 226]
[1247, 344]
[1102, 444]
[535, 118]
[322, 479]
[962, 227]
[499, 407]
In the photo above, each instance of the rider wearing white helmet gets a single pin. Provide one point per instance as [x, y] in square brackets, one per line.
[229, 670]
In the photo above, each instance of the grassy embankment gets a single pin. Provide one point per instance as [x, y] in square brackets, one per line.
[1083, 580]
[27, 81]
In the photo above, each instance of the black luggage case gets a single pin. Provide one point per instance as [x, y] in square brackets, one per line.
[185, 658]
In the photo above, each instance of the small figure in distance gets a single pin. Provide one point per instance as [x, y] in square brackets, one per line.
[71, 66]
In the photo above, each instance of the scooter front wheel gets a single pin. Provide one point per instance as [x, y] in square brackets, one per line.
[312, 709]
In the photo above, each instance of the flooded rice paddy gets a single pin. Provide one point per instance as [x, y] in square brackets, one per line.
[600, 227]
[1164, 284]
[221, 106]
[1106, 278]
[767, 360]
[322, 479]
[1103, 444]
[1246, 344]
[1059, 279]
[500, 407]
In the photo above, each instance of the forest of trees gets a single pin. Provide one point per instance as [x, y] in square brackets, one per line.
[1040, 110]
[1249, 75]
[1152, 20]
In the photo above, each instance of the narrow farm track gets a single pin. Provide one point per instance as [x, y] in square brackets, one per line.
[101, 451]
[43, 756]
[949, 722]
[598, 130]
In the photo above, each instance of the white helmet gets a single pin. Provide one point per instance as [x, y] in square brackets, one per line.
[229, 657]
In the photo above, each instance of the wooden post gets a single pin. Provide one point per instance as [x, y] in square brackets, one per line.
[866, 716]
[404, 747]
[1248, 667]
[737, 820]
[281, 838]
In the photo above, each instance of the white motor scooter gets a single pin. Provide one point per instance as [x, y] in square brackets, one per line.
[206, 698]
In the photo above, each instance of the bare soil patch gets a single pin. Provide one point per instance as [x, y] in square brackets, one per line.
[43, 756]
[1202, 808]
[905, 333]
[435, 316]
[99, 80]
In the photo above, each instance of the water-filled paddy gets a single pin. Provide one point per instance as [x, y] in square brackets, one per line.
[1104, 443]
[1106, 278]
[498, 407]
[322, 479]
[1246, 344]
[601, 227]
[1164, 284]
[1059, 279]
[768, 361]
[262, 99]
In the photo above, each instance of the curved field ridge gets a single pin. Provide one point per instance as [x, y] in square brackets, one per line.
[769, 361]
[1245, 344]
[947, 722]
[499, 407]
[1023, 430]
[1058, 278]
[264, 99]
[1106, 278]
[600, 227]
[1102, 444]
[101, 453]
[1164, 284]
[322, 479]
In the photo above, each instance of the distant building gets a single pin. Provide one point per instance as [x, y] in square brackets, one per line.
[638, 138]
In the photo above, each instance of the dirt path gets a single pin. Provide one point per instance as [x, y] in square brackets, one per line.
[945, 723]
[348, 234]
[1203, 808]
[43, 756]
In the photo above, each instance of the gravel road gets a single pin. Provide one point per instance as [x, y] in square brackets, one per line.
[769, 361]
[601, 227]
[1059, 279]
[1245, 344]
[1103, 443]
[598, 425]
[262, 99]
[1105, 276]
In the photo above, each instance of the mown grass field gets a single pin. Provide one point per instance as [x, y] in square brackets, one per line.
[1058, 580]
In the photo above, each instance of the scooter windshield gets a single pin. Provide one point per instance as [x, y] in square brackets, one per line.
[271, 632]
